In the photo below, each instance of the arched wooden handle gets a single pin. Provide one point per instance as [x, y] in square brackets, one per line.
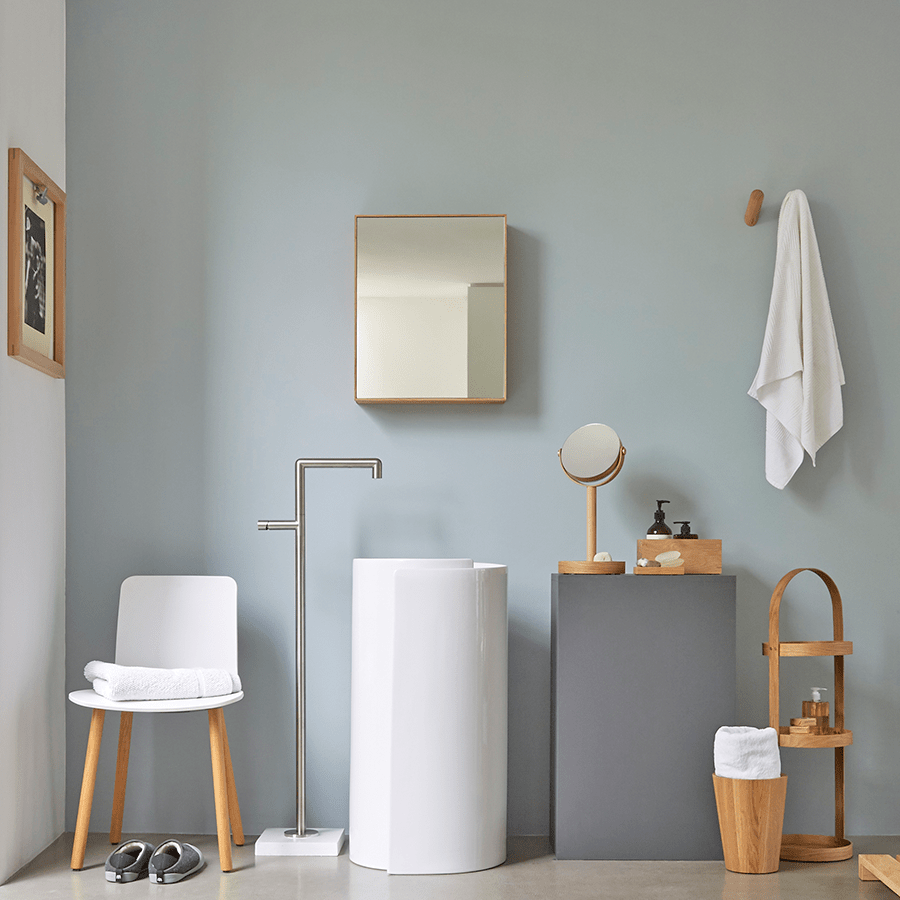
[753, 207]
[837, 612]
[774, 650]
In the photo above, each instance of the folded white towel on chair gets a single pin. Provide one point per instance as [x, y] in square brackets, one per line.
[800, 374]
[743, 752]
[143, 683]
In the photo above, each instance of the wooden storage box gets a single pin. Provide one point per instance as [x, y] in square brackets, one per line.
[700, 557]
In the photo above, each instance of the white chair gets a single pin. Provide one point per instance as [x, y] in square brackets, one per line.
[200, 616]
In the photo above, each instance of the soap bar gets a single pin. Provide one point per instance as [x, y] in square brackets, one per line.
[602, 556]
[648, 563]
[669, 559]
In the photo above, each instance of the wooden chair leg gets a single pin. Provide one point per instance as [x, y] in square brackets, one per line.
[88, 781]
[118, 808]
[220, 788]
[234, 809]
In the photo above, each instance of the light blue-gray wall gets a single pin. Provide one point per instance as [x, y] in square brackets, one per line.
[218, 152]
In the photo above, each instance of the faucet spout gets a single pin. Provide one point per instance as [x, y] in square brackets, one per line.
[372, 463]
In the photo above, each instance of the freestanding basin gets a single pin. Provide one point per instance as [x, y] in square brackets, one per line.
[428, 713]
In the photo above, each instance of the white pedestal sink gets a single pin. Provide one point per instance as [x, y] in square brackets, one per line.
[428, 715]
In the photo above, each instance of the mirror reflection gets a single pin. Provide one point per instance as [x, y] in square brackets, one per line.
[591, 453]
[431, 309]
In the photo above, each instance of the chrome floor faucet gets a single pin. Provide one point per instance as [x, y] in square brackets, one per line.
[298, 526]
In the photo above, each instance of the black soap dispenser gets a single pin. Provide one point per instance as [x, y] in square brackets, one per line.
[685, 534]
[659, 529]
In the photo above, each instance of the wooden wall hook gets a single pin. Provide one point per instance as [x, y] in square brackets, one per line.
[753, 207]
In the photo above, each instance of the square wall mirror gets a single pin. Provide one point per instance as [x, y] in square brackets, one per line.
[431, 309]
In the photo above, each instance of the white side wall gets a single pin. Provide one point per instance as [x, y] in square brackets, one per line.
[32, 475]
[487, 338]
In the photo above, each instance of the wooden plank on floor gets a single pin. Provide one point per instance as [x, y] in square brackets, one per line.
[880, 867]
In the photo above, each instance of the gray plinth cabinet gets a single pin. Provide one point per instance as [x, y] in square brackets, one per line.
[642, 675]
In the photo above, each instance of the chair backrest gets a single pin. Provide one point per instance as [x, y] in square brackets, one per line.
[178, 621]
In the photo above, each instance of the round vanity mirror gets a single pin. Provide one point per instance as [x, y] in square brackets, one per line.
[592, 455]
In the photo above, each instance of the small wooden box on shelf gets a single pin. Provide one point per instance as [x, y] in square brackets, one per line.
[701, 557]
[814, 719]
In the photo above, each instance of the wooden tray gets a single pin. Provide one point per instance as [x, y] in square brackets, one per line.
[659, 570]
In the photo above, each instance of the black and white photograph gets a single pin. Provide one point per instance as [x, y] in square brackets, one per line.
[35, 271]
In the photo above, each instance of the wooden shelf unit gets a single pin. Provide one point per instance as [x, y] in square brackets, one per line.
[813, 847]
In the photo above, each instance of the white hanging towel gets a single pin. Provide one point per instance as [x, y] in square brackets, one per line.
[800, 373]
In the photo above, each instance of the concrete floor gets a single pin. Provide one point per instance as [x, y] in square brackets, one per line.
[530, 872]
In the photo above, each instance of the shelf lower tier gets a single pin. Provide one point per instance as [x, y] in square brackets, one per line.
[814, 741]
[815, 848]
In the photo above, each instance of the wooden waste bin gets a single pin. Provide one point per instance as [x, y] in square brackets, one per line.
[751, 817]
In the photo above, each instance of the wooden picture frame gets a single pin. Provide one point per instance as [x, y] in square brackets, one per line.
[37, 267]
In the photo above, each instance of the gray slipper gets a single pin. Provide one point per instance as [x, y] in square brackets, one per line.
[172, 860]
[128, 862]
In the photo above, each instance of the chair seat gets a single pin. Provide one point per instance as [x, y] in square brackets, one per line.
[93, 700]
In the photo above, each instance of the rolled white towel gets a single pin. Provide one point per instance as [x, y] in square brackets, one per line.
[143, 683]
[743, 752]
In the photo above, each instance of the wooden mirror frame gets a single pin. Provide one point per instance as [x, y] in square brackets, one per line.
[429, 400]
